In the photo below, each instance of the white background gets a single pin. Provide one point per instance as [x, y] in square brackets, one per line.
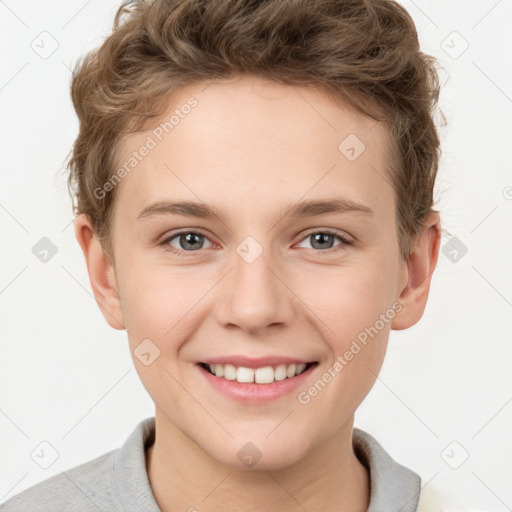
[67, 378]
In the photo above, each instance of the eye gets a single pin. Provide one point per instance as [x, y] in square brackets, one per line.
[191, 241]
[187, 241]
[323, 240]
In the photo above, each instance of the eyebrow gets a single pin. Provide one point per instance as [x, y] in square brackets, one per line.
[311, 208]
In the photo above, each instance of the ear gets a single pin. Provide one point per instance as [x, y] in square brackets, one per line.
[420, 266]
[101, 272]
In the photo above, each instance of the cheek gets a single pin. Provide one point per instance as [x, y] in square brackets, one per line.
[348, 299]
[155, 298]
[347, 309]
[161, 307]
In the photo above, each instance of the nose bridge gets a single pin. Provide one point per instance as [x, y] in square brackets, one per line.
[253, 297]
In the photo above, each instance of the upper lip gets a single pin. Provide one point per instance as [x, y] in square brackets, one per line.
[254, 362]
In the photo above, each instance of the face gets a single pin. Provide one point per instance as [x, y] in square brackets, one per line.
[285, 255]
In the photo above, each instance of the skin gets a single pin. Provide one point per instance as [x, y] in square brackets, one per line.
[254, 148]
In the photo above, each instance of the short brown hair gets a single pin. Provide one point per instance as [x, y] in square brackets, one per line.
[362, 52]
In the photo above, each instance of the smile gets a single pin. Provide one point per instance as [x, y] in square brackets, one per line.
[263, 375]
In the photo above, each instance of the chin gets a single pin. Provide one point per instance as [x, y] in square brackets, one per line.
[259, 455]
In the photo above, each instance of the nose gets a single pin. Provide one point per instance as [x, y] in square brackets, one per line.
[254, 296]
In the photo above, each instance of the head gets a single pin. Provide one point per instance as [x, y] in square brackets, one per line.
[291, 125]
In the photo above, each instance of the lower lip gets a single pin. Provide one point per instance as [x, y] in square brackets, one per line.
[256, 393]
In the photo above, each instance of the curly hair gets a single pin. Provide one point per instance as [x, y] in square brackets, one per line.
[364, 53]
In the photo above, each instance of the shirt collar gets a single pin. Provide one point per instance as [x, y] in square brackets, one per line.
[130, 475]
[393, 487]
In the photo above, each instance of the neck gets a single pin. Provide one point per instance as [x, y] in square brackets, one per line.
[330, 477]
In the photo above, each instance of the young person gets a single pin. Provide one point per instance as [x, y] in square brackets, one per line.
[254, 200]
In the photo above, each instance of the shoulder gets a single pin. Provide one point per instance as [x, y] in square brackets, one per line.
[113, 482]
[87, 487]
[395, 487]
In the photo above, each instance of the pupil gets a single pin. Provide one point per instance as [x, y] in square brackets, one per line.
[187, 238]
[321, 237]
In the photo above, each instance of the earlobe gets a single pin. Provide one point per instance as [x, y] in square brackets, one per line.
[421, 263]
[101, 272]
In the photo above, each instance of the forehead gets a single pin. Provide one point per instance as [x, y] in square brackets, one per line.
[252, 138]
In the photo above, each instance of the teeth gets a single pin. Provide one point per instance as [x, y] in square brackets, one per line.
[280, 372]
[244, 374]
[229, 372]
[290, 371]
[263, 375]
[300, 368]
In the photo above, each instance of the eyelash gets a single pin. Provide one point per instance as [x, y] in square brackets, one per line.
[182, 253]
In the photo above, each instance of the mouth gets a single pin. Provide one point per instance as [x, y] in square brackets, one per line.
[263, 375]
[256, 380]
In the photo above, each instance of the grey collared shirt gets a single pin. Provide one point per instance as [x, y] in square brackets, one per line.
[118, 481]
